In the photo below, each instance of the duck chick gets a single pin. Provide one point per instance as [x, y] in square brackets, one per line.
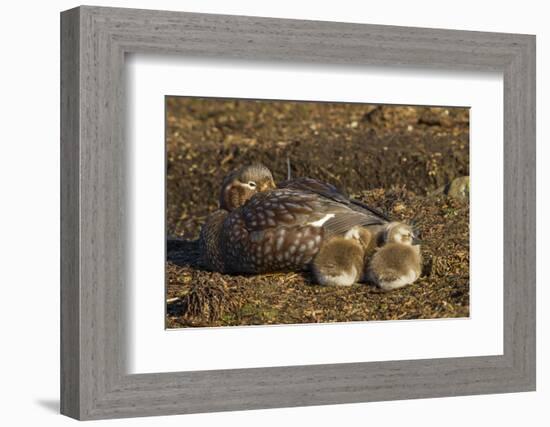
[340, 261]
[398, 261]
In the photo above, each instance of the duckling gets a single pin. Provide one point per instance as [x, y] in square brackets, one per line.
[340, 261]
[398, 262]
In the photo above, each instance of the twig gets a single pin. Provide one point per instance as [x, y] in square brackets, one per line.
[288, 171]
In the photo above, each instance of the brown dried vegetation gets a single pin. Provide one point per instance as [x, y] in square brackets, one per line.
[391, 157]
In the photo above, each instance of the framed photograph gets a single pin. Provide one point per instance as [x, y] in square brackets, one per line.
[262, 213]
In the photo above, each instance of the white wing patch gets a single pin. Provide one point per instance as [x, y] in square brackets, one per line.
[320, 222]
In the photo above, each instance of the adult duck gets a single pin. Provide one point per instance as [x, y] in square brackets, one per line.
[261, 228]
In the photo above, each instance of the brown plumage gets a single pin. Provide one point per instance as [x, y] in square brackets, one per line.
[341, 260]
[241, 184]
[398, 262]
[237, 187]
[329, 191]
[209, 239]
[276, 229]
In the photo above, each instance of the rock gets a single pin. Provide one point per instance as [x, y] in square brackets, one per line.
[458, 188]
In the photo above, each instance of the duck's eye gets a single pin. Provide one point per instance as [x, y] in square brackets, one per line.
[252, 184]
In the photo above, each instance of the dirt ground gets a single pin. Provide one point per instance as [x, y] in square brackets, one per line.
[395, 158]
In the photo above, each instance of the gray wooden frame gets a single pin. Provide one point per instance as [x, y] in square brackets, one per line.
[94, 41]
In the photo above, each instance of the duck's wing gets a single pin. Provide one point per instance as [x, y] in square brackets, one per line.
[280, 208]
[343, 222]
[318, 187]
[290, 208]
[360, 206]
[333, 193]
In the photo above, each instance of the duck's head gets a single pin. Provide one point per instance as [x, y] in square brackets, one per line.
[240, 185]
[399, 232]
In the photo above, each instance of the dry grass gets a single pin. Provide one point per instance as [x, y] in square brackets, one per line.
[391, 157]
[213, 299]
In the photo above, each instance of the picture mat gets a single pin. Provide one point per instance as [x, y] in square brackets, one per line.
[153, 349]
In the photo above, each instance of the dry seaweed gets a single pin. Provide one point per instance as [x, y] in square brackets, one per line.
[214, 299]
[391, 157]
